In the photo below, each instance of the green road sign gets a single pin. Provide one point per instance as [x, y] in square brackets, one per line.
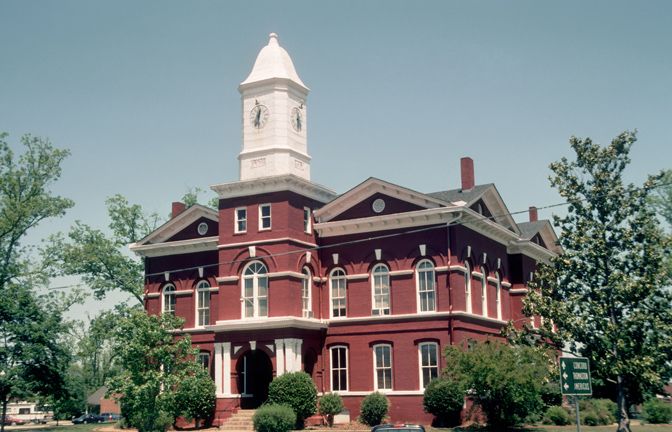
[575, 376]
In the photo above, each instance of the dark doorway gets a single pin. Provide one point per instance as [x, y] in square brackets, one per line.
[255, 372]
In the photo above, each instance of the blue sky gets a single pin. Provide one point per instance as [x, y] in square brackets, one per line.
[144, 93]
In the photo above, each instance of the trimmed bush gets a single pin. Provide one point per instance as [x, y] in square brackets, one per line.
[597, 412]
[657, 411]
[329, 405]
[374, 409]
[444, 399]
[557, 415]
[274, 418]
[296, 390]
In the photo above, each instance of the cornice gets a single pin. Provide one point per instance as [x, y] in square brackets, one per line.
[202, 244]
[268, 323]
[262, 185]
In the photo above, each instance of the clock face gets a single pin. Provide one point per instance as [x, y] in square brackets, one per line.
[259, 116]
[296, 118]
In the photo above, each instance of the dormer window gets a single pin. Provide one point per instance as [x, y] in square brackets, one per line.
[264, 217]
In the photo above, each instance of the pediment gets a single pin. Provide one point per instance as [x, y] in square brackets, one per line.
[359, 201]
[185, 226]
[541, 233]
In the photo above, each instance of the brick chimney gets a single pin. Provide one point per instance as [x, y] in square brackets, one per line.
[467, 172]
[178, 207]
[533, 214]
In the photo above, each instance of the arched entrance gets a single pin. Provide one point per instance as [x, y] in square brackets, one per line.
[255, 372]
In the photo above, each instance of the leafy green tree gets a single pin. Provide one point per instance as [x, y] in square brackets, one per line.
[156, 365]
[330, 404]
[505, 381]
[195, 397]
[94, 350]
[32, 358]
[444, 399]
[607, 294]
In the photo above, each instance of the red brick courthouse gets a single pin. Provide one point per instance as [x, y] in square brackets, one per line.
[361, 290]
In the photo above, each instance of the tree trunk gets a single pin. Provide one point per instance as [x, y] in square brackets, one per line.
[623, 419]
[4, 413]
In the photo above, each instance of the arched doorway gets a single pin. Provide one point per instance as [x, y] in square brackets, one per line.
[255, 372]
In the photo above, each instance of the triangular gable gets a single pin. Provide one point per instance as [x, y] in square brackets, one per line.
[544, 231]
[175, 228]
[500, 213]
[357, 201]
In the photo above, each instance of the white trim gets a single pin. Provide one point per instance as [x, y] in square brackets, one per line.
[418, 300]
[467, 286]
[266, 241]
[184, 292]
[441, 269]
[519, 291]
[420, 366]
[401, 272]
[163, 297]
[383, 275]
[221, 279]
[506, 284]
[375, 369]
[177, 247]
[344, 278]
[284, 274]
[152, 295]
[359, 276]
[307, 284]
[477, 274]
[262, 185]
[484, 292]
[308, 224]
[177, 224]
[347, 368]
[255, 277]
[463, 269]
[197, 299]
[387, 393]
[267, 323]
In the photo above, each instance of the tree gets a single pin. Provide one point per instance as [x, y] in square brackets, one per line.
[297, 390]
[156, 366]
[32, 357]
[607, 294]
[505, 381]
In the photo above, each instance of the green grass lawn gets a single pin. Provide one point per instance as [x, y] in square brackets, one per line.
[65, 428]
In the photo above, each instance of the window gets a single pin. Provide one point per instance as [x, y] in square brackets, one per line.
[255, 290]
[241, 220]
[306, 298]
[467, 285]
[203, 303]
[429, 362]
[168, 303]
[424, 274]
[337, 285]
[381, 290]
[484, 291]
[265, 217]
[307, 221]
[339, 368]
[382, 360]
[204, 360]
[498, 295]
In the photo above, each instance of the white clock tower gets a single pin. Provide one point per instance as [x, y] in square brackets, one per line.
[274, 117]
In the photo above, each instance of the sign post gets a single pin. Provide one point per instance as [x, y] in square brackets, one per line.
[575, 380]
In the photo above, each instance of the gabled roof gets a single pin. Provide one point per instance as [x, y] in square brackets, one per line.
[95, 397]
[490, 196]
[545, 230]
[158, 242]
[368, 188]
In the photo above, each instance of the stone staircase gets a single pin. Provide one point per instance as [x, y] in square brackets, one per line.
[240, 421]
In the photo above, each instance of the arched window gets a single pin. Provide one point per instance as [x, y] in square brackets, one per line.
[428, 353]
[382, 365]
[202, 303]
[337, 290]
[255, 290]
[306, 297]
[380, 290]
[467, 285]
[168, 299]
[498, 295]
[339, 368]
[426, 286]
[484, 291]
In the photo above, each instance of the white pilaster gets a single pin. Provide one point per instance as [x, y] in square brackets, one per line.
[297, 363]
[289, 355]
[226, 357]
[218, 369]
[279, 357]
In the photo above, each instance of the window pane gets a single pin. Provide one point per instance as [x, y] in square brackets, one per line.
[263, 307]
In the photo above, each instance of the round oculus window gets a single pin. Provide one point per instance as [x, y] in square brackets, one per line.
[378, 205]
[202, 228]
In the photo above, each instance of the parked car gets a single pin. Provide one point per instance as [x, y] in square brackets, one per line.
[111, 416]
[41, 420]
[88, 418]
[12, 421]
[398, 428]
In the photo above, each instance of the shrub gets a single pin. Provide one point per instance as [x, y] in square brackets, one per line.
[374, 409]
[556, 415]
[330, 405]
[295, 389]
[444, 399]
[596, 412]
[657, 411]
[274, 418]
